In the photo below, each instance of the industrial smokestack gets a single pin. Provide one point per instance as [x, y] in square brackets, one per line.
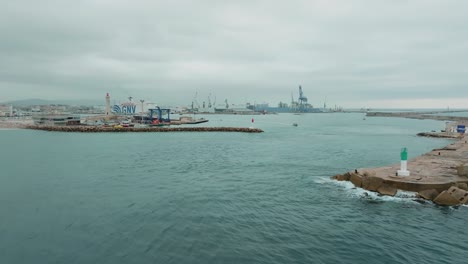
[108, 106]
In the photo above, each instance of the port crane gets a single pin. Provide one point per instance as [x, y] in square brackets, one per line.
[195, 104]
[209, 101]
[160, 112]
[302, 100]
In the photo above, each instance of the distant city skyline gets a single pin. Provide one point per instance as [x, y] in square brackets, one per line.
[353, 54]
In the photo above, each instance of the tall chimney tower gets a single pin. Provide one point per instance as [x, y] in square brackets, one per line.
[108, 107]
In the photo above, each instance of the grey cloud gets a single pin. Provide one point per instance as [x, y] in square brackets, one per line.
[346, 51]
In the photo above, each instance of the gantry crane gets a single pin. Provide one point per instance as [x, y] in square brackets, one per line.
[302, 100]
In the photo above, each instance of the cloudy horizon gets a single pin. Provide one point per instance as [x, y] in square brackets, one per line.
[353, 54]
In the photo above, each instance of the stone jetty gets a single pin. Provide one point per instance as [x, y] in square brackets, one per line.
[440, 175]
[421, 115]
[98, 129]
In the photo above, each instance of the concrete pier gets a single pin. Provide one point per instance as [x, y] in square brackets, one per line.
[97, 129]
[440, 175]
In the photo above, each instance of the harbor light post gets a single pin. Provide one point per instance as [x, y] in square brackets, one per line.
[403, 171]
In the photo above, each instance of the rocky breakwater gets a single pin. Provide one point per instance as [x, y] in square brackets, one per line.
[96, 129]
[440, 175]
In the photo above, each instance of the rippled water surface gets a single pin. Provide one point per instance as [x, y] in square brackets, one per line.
[220, 197]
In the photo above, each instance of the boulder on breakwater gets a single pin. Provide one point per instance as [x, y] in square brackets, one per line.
[96, 129]
[452, 196]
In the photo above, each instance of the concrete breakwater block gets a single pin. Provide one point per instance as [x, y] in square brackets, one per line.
[452, 196]
[371, 183]
[356, 180]
[430, 194]
[386, 189]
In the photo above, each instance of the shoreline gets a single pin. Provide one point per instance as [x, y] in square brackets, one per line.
[440, 175]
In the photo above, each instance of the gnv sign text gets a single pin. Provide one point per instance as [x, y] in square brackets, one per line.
[124, 109]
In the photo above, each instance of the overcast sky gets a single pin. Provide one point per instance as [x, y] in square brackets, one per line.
[388, 53]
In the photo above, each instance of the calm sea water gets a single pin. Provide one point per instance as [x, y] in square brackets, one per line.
[220, 197]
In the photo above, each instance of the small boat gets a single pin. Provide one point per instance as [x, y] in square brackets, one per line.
[197, 121]
[187, 120]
